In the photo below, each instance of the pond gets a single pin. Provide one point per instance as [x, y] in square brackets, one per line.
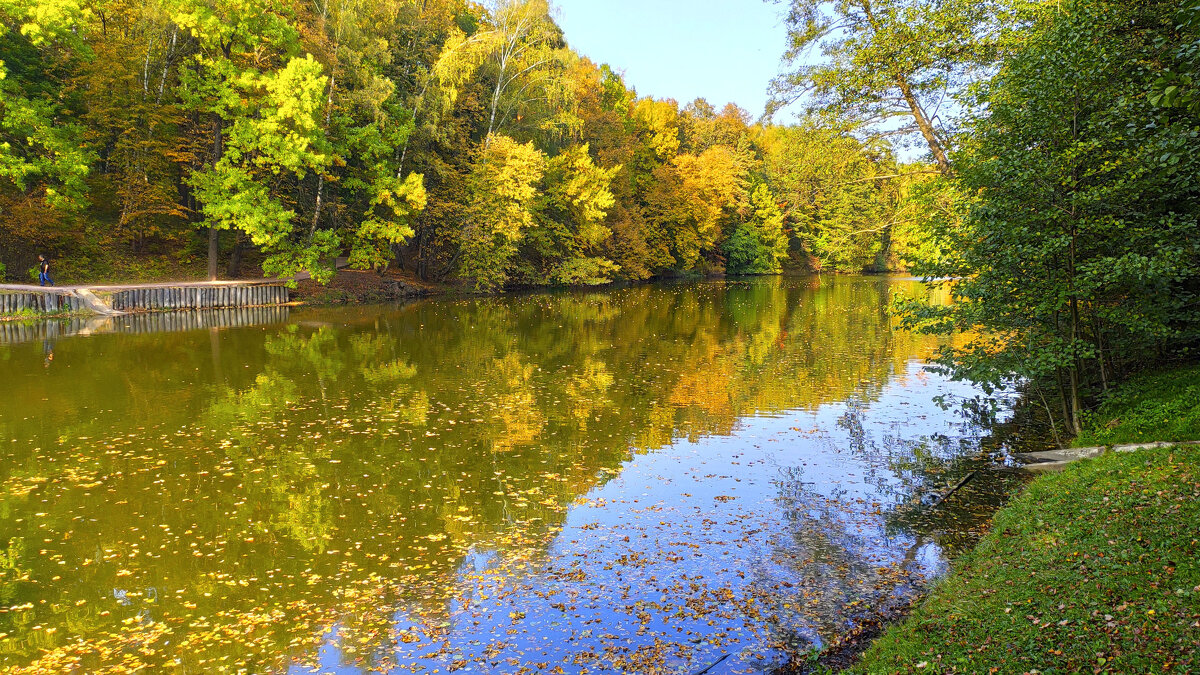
[642, 480]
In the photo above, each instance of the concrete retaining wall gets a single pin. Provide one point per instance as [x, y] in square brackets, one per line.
[197, 297]
[48, 302]
[142, 298]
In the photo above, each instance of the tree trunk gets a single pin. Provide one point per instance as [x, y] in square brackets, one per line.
[321, 177]
[1073, 304]
[214, 235]
[235, 258]
[923, 123]
[214, 247]
[1074, 371]
[1064, 399]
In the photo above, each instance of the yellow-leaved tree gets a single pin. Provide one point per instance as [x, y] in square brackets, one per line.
[503, 186]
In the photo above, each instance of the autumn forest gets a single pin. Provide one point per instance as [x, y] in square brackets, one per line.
[759, 458]
[458, 141]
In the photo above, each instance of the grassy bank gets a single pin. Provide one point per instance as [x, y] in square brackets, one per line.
[1160, 406]
[1094, 570]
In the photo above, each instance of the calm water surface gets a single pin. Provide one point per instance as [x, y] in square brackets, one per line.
[641, 480]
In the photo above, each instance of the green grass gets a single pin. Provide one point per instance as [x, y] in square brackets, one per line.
[1094, 570]
[1161, 406]
[32, 317]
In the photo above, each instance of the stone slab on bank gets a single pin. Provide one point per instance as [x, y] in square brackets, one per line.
[1057, 460]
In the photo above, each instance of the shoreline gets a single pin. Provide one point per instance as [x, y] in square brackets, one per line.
[949, 629]
[369, 287]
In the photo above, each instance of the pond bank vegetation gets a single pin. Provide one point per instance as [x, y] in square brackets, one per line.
[1094, 568]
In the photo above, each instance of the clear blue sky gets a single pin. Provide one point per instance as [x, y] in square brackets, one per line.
[722, 50]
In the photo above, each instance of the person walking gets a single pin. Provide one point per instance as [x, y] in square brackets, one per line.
[44, 271]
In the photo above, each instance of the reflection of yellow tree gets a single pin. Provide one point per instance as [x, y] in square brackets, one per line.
[521, 419]
[11, 573]
[706, 387]
[588, 391]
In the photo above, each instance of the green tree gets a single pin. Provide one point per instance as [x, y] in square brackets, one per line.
[759, 245]
[1177, 87]
[266, 126]
[841, 195]
[1080, 240]
[363, 192]
[42, 154]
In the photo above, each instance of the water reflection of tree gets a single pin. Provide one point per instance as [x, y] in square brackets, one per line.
[834, 564]
[368, 451]
[850, 564]
[931, 467]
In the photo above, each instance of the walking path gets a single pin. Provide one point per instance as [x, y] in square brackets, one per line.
[113, 288]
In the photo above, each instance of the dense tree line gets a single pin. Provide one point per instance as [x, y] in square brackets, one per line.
[456, 140]
[1067, 215]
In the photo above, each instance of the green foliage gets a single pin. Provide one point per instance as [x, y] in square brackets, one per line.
[266, 123]
[316, 255]
[1093, 569]
[843, 198]
[1177, 87]
[388, 222]
[1158, 406]
[883, 60]
[927, 204]
[759, 245]
[1077, 231]
[41, 153]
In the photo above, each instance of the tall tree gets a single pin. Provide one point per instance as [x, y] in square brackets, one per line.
[42, 153]
[135, 123]
[839, 193]
[264, 103]
[503, 186]
[759, 245]
[363, 192]
[517, 52]
[881, 61]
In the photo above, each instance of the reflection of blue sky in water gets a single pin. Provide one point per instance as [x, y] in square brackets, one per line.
[746, 543]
